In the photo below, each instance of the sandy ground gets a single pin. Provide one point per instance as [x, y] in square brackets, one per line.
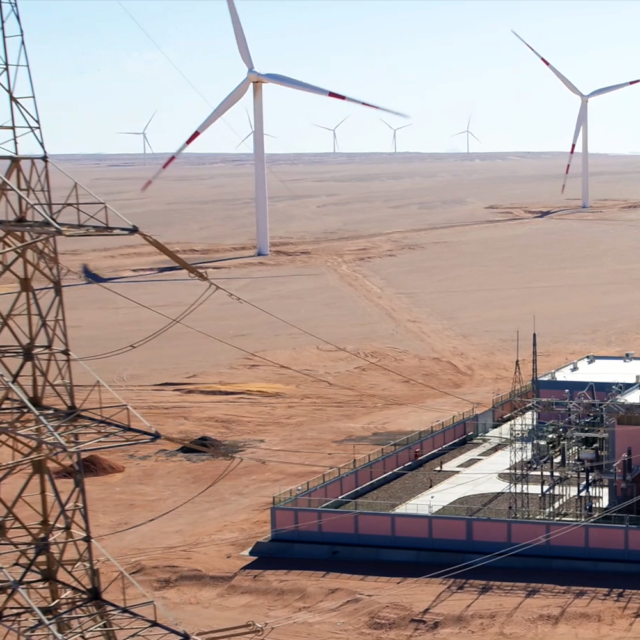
[426, 265]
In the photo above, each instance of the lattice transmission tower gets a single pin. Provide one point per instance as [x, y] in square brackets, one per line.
[51, 410]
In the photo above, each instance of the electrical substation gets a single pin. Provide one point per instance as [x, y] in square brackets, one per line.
[549, 473]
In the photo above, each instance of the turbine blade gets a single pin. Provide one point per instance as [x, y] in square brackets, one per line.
[583, 108]
[339, 123]
[388, 125]
[150, 119]
[146, 139]
[613, 87]
[217, 113]
[244, 139]
[468, 123]
[292, 83]
[404, 126]
[243, 47]
[129, 133]
[458, 134]
[471, 133]
[268, 135]
[249, 119]
[321, 127]
[565, 81]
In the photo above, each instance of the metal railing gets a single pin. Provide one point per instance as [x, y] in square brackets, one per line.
[392, 447]
[431, 507]
[509, 395]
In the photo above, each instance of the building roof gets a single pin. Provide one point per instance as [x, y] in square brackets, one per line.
[598, 369]
[631, 396]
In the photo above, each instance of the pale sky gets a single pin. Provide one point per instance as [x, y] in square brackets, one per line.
[96, 73]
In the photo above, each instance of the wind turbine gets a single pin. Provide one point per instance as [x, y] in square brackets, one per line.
[395, 130]
[145, 139]
[333, 132]
[581, 123]
[251, 132]
[256, 79]
[468, 132]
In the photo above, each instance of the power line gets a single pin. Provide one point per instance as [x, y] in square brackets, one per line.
[257, 307]
[452, 571]
[227, 471]
[258, 356]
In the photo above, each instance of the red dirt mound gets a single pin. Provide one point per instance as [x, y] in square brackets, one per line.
[93, 466]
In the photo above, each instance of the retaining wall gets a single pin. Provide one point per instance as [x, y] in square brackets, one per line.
[455, 534]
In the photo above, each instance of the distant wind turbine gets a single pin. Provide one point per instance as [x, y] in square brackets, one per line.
[251, 132]
[581, 124]
[257, 80]
[468, 132]
[145, 139]
[394, 141]
[334, 135]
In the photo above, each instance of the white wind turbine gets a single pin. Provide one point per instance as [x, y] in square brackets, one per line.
[256, 79]
[251, 132]
[333, 133]
[468, 132]
[145, 139]
[581, 123]
[394, 142]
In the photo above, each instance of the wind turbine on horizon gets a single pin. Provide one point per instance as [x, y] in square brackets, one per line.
[468, 132]
[143, 133]
[251, 132]
[256, 79]
[333, 132]
[394, 142]
[581, 123]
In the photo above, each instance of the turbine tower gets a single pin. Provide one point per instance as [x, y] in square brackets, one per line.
[334, 135]
[145, 139]
[256, 80]
[251, 132]
[50, 587]
[581, 123]
[468, 132]
[394, 141]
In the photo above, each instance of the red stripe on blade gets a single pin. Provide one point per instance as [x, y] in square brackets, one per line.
[634, 82]
[336, 95]
[147, 184]
[573, 148]
[168, 162]
[372, 106]
[545, 61]
[193, 137]
[566, 173]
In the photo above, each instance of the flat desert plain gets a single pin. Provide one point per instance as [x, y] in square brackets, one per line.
[416, 271]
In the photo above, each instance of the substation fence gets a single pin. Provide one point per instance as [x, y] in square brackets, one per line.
[486, 511]
[360, 461]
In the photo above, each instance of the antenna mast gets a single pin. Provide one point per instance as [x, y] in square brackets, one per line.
[49, 583]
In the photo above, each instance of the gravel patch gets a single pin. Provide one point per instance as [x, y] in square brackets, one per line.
[409, 485]
[494, 449]
[496, 505]
[469, 463]
[481, 505]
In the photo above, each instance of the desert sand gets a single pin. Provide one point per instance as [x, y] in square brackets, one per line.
[425, 264]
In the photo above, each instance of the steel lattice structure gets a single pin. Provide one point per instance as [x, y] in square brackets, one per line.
[50, 586]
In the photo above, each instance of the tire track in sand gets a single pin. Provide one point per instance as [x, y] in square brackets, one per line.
[440, 340]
